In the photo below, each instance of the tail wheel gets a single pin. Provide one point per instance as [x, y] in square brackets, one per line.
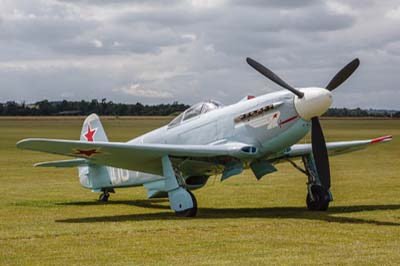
[189, 212]
[104, 197]
[320, 199]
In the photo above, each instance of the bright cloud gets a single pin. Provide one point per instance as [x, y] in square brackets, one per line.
[138, 91]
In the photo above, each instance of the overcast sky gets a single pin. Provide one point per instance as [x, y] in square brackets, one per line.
[188, 51]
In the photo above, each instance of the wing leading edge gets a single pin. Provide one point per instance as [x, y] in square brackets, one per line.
[336, 148]
[136, 157]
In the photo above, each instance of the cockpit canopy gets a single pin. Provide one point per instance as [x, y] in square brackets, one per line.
[196, 110]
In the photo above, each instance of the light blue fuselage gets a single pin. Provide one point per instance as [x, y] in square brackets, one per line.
[219, 126]
[271, 132]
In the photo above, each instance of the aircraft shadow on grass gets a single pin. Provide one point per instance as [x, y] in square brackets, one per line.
[224, 213]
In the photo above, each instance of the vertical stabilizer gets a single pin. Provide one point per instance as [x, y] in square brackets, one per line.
[95, 176]
[92, 130]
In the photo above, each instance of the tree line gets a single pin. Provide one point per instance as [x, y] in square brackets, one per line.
[358, 112]
[104, 107]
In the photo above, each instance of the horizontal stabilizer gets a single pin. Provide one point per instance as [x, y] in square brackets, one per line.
[63, 163]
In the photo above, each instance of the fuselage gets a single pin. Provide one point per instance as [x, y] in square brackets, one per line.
[269, 122]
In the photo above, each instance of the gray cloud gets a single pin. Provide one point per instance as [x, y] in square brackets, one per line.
[123, 2]
[276, 3]
[194, 50]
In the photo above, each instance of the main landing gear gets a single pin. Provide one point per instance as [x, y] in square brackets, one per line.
[181, 200]
[318, 197]
[191, 212]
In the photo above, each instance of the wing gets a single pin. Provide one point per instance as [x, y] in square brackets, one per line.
[136, 157]
[335, 148]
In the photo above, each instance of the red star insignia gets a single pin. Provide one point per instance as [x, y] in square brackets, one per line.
[275, 115]
[87, 153]
[90, 133]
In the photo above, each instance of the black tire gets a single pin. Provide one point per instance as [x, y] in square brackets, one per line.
[321, 199]
[189, 212]
[104, 197]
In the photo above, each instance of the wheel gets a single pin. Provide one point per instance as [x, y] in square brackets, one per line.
[104, 197]
[321, 199]
[189, 212]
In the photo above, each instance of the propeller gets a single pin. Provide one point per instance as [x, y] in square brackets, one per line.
[311, 104]
[343, 74]
[320, 153]
[272, 76]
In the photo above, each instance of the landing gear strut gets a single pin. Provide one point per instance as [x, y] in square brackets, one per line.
[181, 200]
[318, 197]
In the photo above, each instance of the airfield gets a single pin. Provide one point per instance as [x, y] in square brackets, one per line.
[47, 218]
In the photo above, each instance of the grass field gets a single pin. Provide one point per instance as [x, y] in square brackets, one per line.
[48, 219]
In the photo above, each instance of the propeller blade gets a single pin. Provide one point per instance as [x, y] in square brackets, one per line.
[343, 74]
[272, 76]
[320, 153]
